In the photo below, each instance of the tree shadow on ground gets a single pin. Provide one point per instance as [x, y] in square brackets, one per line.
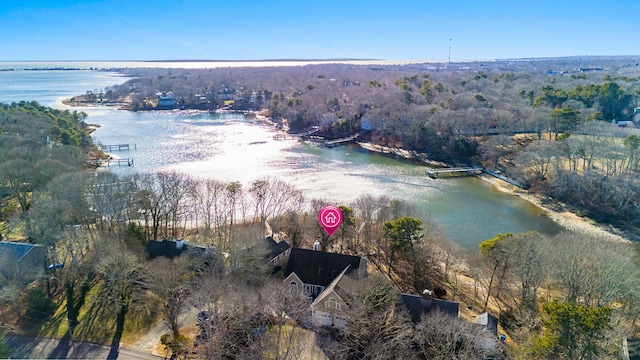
[115, 342]
[96, 324]
[62, 350]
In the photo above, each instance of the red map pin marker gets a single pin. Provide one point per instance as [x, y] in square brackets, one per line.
[330, 218]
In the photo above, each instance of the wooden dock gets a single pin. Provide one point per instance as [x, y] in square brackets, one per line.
[108, 162]
[341, 141]
[459, 171]
[470, 171]
[305, 135]
[121, 162]
[116, 147]
[283, 136]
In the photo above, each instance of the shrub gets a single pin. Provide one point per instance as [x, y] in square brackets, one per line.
[507, 319]
[179, 345]
[439, 292]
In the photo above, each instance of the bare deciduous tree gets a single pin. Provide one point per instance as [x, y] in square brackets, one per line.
[78, 251]
[272, 198]
[529, 265]
[121, 275]
[439, 336]
[375, 329]
[170, 281]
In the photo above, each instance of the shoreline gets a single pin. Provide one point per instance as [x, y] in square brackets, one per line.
[406, 154]
[564, 218]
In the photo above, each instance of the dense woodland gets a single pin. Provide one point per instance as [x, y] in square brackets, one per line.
[568, 296]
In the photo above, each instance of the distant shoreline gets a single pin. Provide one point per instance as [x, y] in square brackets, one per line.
[116, 65]
[261, 60]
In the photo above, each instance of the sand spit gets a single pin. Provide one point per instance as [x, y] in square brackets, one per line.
[562, 217]
[558, 212]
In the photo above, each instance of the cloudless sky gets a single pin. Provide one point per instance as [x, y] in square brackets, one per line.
[319, 29]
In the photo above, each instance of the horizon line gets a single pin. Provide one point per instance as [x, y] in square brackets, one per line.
[329, 59]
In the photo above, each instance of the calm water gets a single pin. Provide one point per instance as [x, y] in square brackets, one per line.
[231, 148]
[48, 87]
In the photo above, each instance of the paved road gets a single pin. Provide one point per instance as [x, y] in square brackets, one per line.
[25, 347]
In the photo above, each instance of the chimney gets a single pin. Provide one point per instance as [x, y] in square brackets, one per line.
[316, 245]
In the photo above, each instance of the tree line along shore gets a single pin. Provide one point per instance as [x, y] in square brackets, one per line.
[88, 223]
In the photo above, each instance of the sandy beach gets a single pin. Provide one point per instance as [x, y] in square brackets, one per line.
[561, 215]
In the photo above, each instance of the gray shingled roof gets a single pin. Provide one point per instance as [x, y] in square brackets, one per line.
[417, 305]
[169, 248]
[15, 250]
[489, 321]
[319, 267]
[275, 248]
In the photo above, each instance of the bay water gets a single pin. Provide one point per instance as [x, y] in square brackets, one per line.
[232, 147]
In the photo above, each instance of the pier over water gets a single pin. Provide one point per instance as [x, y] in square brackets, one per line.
[118, 147]
[470, 171]
[459, 171]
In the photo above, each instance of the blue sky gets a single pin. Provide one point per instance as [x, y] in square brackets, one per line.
[319, 29]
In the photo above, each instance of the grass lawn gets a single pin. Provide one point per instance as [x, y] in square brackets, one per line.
[296, 342]
[97, 320]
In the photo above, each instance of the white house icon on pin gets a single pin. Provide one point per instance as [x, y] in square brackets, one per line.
[330, 218]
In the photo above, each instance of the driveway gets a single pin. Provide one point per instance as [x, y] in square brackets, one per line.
[26, 347]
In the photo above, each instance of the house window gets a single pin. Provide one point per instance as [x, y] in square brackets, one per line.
[294, 286]
[332, 303]
[307, 289]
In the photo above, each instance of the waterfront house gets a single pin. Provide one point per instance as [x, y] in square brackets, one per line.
[325, 278]
[167, 100]
[201, 258]
[311, 271]
[225, 94]
[330, 307]
[418, 305]
[365, 124]
[172, 248]
[277, 251]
